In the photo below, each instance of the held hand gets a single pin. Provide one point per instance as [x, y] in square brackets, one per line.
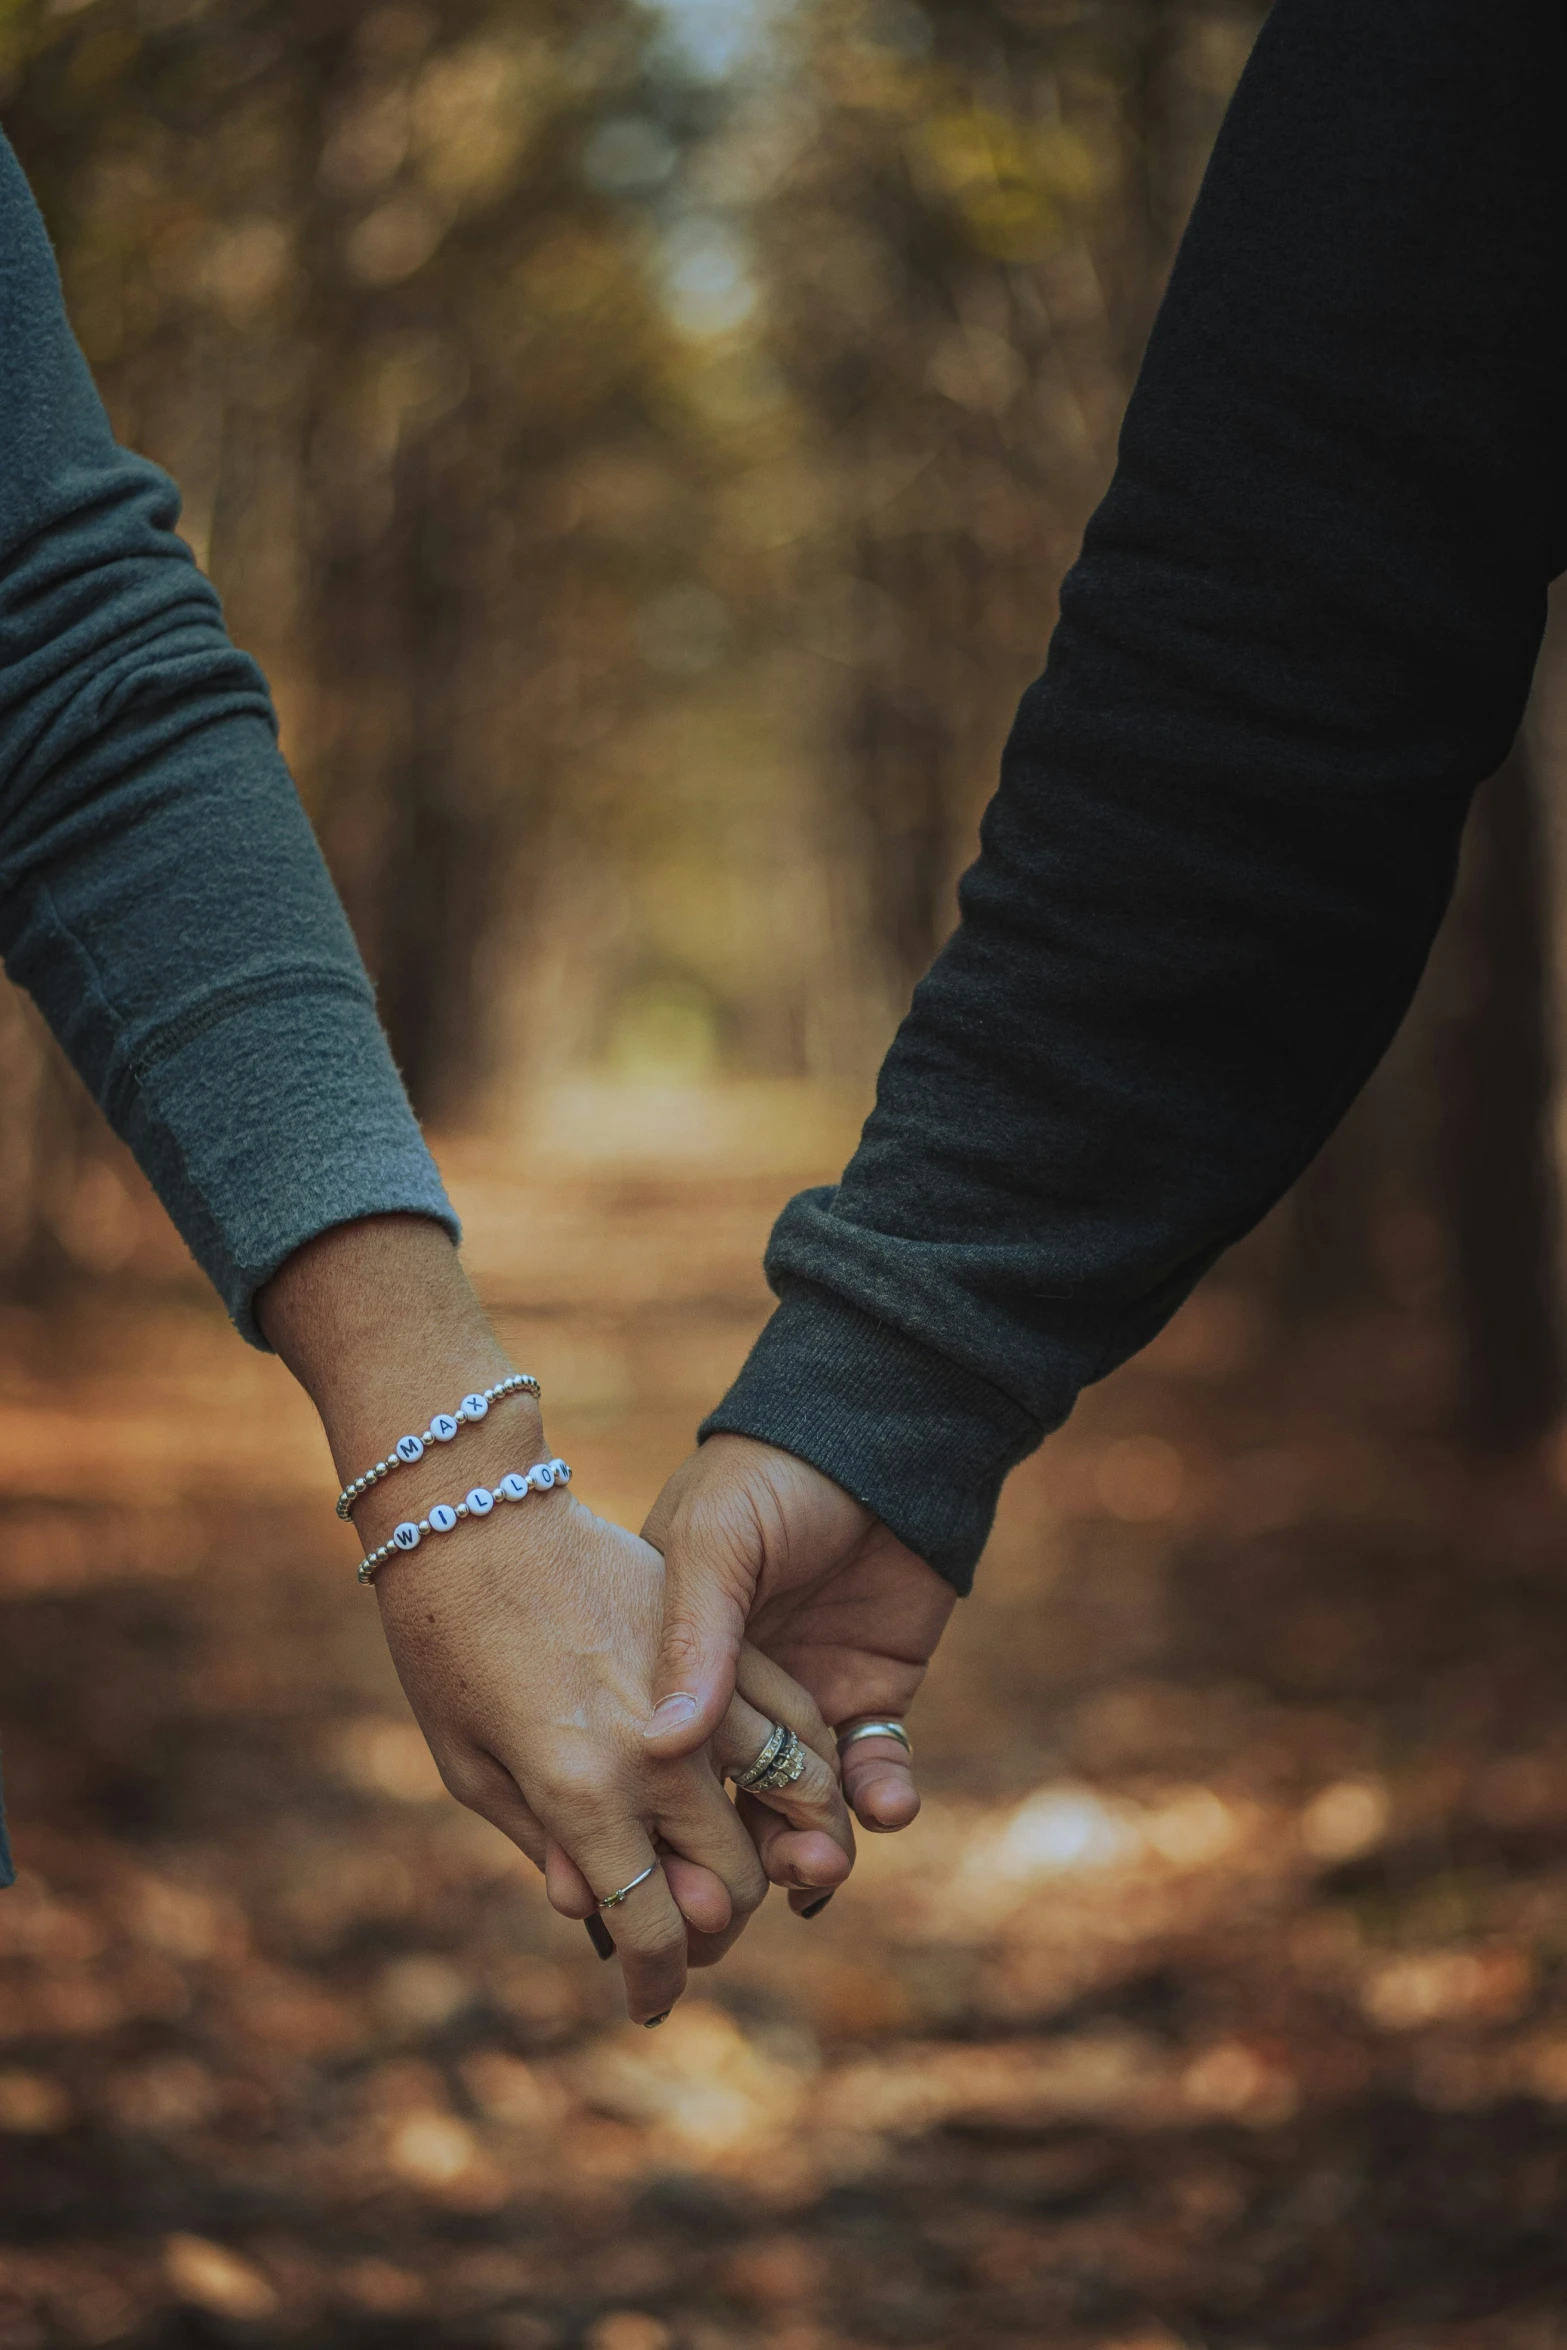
[525, 1653]
[760, 1545]
[526, 1642]
[792, 1850]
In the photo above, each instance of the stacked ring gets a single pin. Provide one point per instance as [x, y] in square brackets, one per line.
[779, 1764]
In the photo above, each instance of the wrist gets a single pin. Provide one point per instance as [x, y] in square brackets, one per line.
[378, 1323]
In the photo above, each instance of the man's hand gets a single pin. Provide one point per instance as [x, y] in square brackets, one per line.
[760, 1546]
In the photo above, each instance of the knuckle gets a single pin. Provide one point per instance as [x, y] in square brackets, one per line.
[583, 1785]
[750, 1892]
[684, 1647]
[663, 1944]
[815, 1800]
[816, 1789]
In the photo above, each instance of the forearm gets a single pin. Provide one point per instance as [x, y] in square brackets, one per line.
[1301, 634]
[161, 894]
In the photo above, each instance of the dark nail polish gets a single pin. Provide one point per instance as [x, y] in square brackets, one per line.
[600, 1936]
[816, 1907]
[654, 2021]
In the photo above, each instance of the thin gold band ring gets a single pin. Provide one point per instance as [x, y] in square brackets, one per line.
[614, 1900]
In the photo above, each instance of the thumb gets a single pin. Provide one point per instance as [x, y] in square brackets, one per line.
[712, 1558]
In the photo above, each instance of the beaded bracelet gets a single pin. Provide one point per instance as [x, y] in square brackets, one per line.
[443, 1427]
[477, 1504]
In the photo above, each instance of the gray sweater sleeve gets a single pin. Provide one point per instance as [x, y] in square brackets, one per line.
[161, 893]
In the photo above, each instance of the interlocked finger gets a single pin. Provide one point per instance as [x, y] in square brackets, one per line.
[617, 1857]
[696, 1820]
[811, 1799]
[701, 1896]
[483, 1785]
[648, 1931]
[772, 1692]
[802, 1832]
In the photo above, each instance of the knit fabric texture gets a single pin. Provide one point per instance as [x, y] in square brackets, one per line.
[1301, 631]
[161, 893]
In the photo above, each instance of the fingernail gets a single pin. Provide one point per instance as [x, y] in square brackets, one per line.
[816, 1907]
[670, 1715]
[654, 2021]
[600, 1936]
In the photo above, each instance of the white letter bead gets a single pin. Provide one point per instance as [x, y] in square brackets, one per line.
[562, 1472]
[541, 1478]
[512, 1486]
[443, 1427]
[480, 1501]
[474, 1407]
[406, 1536]
[410, 1449]
[442, 1518]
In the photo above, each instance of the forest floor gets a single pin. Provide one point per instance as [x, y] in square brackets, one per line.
[1218, 1999]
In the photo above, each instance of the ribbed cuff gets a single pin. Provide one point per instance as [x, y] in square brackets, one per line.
[281, 1116]
[918, 1439]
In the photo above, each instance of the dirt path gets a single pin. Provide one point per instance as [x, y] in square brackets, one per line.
[1218, 1998]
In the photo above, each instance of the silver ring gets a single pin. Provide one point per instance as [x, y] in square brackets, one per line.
[614, 1900]
[896, 1730]
[779, 1764]
[772, 1747]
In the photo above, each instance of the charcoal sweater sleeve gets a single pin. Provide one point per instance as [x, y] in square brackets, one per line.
[161, 893]
[1300, 632]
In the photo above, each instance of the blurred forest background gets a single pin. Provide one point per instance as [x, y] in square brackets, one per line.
[643, 445]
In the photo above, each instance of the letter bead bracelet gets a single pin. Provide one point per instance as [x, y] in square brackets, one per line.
[443, 1427]
[444, 1516]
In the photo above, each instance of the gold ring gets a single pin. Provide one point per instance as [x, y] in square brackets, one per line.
[614, 1900]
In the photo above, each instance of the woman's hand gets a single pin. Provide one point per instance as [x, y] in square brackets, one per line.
[782, 1823]
[526, 1643]
[526, 1649]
